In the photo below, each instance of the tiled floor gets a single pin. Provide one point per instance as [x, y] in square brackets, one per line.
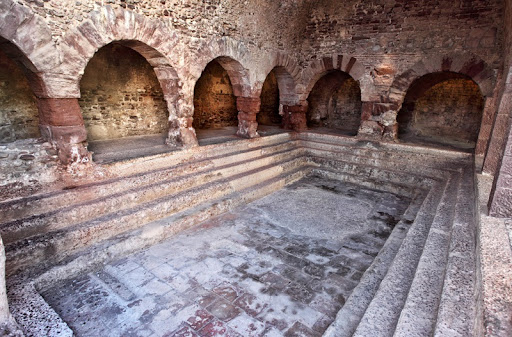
[281, 266]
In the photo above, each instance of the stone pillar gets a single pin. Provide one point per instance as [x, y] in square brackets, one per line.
[61, 123]
[247, 108]
[378, 121]
[5, 315]
[294, 117]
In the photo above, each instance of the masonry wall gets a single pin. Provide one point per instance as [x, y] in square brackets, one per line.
[393, 32]
[121, 96]
[214, 102]
[18, 110]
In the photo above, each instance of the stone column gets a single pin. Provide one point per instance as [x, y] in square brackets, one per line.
[61, 123]
[247, 108]
[294, 117]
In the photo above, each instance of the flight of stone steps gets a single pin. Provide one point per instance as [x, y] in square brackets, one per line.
[422, 283]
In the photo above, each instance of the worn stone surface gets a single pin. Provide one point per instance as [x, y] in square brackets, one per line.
[246, 273]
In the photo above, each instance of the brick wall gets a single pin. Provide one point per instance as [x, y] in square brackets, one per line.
[121, 96]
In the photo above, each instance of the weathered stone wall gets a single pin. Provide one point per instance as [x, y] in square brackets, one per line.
[214, 102]
[18, 110]
[384, 45]
[269, 109]
[392, 31]
[121, 96]
[449, 111]
[499, 156]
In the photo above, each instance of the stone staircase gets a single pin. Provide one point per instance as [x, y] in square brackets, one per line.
[422, 283]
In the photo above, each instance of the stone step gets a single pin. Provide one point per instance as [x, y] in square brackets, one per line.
[382, 173]
[404, 151]
[419, 313]
[384, 309]
[156, 231]
[417, 166]
[386, 186]
[64, 217]
[349, 316]
[457, 315]
[55, 245]
[193, 163]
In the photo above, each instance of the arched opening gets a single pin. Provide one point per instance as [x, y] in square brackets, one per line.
[335, 103]
[19, 117]
[269, 108]
[214, 100]
[442, 108]
[121, 96]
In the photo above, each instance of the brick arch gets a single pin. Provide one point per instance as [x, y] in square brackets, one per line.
[28, 41]
[318, 68]
[465, 64]
[287, 73]
[150, 38]
[231, 55]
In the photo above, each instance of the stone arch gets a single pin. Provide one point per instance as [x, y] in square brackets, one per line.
[463, 63]
[288, 74]
[231, 55]
[335, 102]
[247, 104]
[122, 96]
[150, 38]
[30, 34]
[286, 92]
[442, 108]
[318, 68]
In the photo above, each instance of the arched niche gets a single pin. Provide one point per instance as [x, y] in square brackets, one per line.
[214, 98]
[442, 108]
[335, 103]
[269, 109]
[121, 95]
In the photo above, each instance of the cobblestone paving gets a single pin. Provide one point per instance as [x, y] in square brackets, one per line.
[281, 266]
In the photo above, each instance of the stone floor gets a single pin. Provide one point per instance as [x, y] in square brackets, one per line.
[280, 266]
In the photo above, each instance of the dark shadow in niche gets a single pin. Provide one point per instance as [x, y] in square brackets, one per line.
[442, 109]
[269, 109]
[335, 103]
